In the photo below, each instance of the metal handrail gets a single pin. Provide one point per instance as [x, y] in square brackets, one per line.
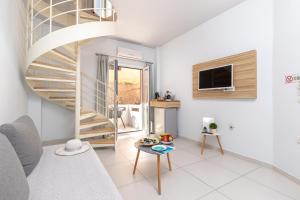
[96, 80]
[50, 18]
[94, 96]
[67, 12]
[89, 92]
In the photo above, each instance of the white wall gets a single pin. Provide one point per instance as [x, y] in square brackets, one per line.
[54, 122]
[13, 96]
[286, 107]
[108, 46]
[245, 27]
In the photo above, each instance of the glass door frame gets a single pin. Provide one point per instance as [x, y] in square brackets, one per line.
[145, 66]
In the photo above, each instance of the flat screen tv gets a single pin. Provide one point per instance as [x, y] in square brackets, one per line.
[216, 78]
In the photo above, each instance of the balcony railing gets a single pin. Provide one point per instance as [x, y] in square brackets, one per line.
[46, 16]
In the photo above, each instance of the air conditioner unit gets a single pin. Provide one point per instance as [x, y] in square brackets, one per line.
[129, 53]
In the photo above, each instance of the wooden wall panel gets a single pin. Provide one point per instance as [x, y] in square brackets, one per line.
[244, 77]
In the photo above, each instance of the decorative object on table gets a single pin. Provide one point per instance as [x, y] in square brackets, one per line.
[147, 141]
[159, 148]
[166, 138]
[204, 130]
[213, 128]
[206, 121]
[157, 96]
[168, 96]
[73, 147]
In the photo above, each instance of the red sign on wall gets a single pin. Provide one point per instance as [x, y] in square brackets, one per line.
[292, 79]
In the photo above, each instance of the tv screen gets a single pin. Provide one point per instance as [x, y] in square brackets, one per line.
[216, 78]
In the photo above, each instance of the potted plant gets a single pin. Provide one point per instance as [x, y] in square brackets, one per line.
[213, 128]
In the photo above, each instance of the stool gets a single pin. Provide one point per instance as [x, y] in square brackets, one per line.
[204, 140]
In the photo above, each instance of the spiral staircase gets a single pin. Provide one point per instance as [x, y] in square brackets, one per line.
[56, 29]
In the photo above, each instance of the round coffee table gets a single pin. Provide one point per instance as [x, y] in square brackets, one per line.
[147, 149]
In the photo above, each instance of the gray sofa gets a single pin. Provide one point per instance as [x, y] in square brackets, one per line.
[79, 177]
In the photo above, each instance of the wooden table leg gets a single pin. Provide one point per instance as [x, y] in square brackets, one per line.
[136, 161]
[203, 144]
[169, 162]
[218, 139]
[158, 174]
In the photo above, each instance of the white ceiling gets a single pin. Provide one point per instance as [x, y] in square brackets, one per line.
[155, 22]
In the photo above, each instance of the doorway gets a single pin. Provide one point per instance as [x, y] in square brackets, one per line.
[133, 98]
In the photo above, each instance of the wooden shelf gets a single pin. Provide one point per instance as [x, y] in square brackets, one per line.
[164, 104]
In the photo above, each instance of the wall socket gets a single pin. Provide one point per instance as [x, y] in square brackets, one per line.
[231, 126]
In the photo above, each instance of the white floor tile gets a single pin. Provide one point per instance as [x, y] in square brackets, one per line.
[234, 164]
[245, 189]
[182, 157]
[110, 157]
[180, 185]
[276, 181]
[130, 152]
[141, 190]
[211, 174]
[122, 174]
[208, 153]
[193, 176]
[195, 148]
[182, 143]
[214, 196]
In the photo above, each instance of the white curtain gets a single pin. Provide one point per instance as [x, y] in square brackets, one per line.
[102, 84]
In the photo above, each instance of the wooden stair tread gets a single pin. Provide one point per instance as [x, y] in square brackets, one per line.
[82, 112]
[87, 115]
[89, 16]
[86, 110]
[94, 121]
[63, 56]
[62, 98]
[44, 89]
[99, 130]
[52, 67]
[50, 78]
[102, 141]
[70, 102]
[96, 132]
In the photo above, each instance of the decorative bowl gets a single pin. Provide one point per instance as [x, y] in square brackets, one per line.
[159, 147]
[166, 138]
[149, 141]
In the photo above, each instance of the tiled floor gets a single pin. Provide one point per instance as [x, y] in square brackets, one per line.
[195, 177]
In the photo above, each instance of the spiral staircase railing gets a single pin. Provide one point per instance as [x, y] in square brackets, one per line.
[53, 66]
